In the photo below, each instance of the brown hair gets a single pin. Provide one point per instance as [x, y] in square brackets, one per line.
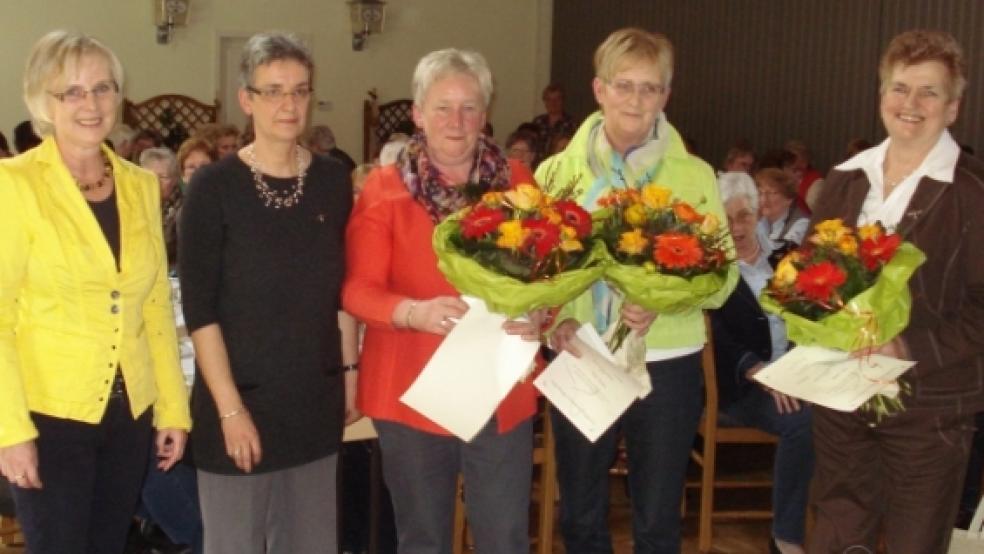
[777, 179]
[194, 144]
[921, 45]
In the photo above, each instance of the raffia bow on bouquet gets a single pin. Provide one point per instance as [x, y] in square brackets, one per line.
[519, 250]
[849, 291]
[663, 255]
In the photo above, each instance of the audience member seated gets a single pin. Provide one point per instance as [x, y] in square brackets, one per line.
[740, 157]
[24, 137]
[558, 143]
[321, 140]
[521, 146]
[746, 339]
[144, 139]
[810, 181]
[224, 137]
[193, 154]
[855, 147]
[121, 140]
[555, 121]
[391, 150]
[4, 147]
[162, 163]
[781, 222]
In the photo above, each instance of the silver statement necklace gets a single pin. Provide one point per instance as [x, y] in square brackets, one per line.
[272, 198]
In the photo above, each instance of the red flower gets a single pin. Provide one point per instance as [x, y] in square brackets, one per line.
[677, 251]
[877, 251]
[543, 236]
[574, 216]
[818, 282]
[481, 221]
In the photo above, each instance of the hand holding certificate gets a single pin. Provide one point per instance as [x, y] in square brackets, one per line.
[832, 378]
[591, 391]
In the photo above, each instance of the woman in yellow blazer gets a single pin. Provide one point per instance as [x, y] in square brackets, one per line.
[88, 353]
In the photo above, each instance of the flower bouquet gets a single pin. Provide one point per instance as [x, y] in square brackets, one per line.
[666, 256]
[847, 291]
[519, 250]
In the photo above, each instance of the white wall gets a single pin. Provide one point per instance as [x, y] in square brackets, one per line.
[513, 34]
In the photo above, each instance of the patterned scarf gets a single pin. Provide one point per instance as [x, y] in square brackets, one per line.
[432, 190]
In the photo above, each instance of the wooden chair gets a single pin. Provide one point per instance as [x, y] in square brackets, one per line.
[544, 494]
[174, 116]
[713, 435]
[379, 121]
[10, 534]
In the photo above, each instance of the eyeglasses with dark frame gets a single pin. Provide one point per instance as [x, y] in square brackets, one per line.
[277, 94]
[77, 93]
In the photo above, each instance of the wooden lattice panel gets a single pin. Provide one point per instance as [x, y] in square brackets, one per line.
[379, 121]
[169, 114]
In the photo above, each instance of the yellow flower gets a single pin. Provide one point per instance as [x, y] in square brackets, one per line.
[786, 272]
[649, 266]
[872, 231]
[632, 242]
[710, 224]
[550, 214]
[848, 245]
[492, 198]
[655, 196]
[511, 234]
[635, 215]
[568, 239]
[829, 232]
[524, 197]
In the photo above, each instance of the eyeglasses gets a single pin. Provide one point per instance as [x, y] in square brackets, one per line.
[277, 94]
[647, 91]
[76, 94]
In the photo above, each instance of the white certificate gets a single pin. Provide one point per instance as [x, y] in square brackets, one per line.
[591, 391]
[832, 378]
[471, 372]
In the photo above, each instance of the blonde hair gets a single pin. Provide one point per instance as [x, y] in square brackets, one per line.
[51, 60]
[632, 45]
[920, 45]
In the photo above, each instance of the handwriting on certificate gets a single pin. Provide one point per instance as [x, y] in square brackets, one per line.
[591, 391]
[832, 378]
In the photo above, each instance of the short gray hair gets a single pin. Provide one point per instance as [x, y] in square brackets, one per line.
[738, 184]
[321, 136]
[160, 154]
[441, 63]
[264, 48]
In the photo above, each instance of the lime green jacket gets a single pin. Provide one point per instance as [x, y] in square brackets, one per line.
[68, 318]
[690, 179]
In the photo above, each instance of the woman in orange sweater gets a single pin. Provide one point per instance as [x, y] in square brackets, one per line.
[394, 286]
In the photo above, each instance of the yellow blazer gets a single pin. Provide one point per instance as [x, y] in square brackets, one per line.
[67, 316]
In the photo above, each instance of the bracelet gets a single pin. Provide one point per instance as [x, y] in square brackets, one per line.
[350, 367]
[234, 413]
[408, 321]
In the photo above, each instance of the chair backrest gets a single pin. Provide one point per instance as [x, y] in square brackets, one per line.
[380, 120]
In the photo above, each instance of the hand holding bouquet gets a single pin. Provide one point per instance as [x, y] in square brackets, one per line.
[666, 256]
[846, 290]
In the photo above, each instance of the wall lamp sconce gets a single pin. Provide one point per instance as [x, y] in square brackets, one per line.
[167, 15]
[367, 18]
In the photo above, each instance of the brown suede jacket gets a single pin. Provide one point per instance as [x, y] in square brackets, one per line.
[946, 328]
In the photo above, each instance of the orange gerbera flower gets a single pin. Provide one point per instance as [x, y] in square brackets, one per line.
[686, 213]
[542, 235]
[819, 281]
[677, 250]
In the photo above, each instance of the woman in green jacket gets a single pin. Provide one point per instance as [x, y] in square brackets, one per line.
[628, 144]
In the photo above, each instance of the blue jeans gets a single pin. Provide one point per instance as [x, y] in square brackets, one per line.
[421, 470]
[170, 499]
[659, 432]
[793, 466]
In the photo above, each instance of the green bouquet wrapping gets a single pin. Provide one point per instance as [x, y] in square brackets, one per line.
[519, 251]
[663, 293]
[875, 316]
